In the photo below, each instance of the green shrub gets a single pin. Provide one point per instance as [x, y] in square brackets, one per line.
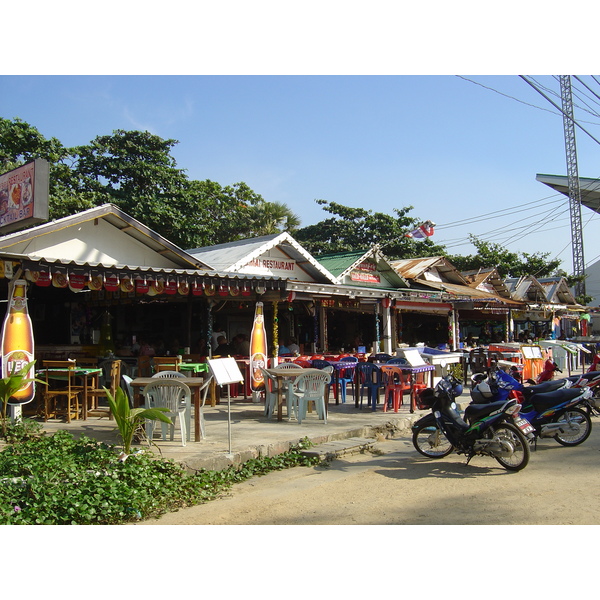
[58, 480]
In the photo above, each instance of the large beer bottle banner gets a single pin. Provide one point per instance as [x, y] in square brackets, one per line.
[17, 341]
[258, 349]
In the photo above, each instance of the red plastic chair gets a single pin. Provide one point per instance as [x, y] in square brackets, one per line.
[396, 384]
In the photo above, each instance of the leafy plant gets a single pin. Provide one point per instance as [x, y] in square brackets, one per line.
[10, 385]
[129, 420]
[59, 480]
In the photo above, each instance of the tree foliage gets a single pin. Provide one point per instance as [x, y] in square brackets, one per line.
[136, 171]
[509, 264]
[357, 228]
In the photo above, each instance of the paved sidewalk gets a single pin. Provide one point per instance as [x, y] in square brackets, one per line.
[247, 433]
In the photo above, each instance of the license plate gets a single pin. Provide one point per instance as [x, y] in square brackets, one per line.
[524, 425]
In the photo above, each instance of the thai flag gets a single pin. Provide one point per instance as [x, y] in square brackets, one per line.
[424, 230]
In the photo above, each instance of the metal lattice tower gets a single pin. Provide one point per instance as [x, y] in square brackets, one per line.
[573, 179]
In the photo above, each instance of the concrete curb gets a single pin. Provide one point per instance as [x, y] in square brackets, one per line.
[218, 462]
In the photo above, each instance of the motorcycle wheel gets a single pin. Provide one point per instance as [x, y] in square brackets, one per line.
[520, 457]
[429, 441]
[585, 423]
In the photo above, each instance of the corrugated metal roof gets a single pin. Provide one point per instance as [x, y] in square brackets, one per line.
[339, 262]
[118, 219]
[467, 292]
[414, 268]
[490, 276]
[233, 256]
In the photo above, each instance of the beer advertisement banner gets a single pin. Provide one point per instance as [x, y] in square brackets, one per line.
[258, 349]
[17, 341]
[24, 196]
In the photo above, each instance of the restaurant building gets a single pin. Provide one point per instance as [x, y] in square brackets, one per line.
[101, 281]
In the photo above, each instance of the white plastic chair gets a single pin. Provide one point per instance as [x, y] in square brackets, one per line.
[290, 398]
[271, 391]
[175, 396]
[169, 375]
[310, 387]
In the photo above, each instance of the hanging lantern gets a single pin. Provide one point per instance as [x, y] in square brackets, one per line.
[246, 291]
[156, 288]
[76, 282]
[171, 287]
[291, 297]
[44, 279]
[209, 290]
[95, 283]
[111, 283]
[234, 290]
[59, 280]
[127, 286]
[197, 289]
[141, 286]
[223, 290]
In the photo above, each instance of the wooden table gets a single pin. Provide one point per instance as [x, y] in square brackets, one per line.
[86, 374]
[281, 375]
[194, 383]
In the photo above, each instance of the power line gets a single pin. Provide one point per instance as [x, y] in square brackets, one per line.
[560, 109]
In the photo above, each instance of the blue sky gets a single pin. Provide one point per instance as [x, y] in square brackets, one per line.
[444, 144]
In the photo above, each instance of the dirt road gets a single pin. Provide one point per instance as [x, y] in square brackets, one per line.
[395, 485]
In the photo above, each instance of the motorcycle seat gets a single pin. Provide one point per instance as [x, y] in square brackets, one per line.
[587, 376]
[477, 411]
[542, 388]
[541, 402]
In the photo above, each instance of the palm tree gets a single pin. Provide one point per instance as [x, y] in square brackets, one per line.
[272, 217]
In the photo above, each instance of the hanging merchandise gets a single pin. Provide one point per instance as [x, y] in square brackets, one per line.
[258, 349]
[275, 328]
[17, 341]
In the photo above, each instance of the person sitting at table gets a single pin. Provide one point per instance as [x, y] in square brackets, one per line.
[283, 350]
[146, 349]
[241, 345]
[292, 346]
[223, 348]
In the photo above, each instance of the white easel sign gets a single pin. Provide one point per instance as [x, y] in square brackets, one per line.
[226, 371]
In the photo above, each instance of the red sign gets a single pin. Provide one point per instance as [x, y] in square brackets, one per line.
[365, 277]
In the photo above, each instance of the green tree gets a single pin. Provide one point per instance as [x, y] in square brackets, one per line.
[509, 264]
[272, 217]
[357, 228]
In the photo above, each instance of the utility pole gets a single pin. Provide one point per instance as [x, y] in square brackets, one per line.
[573, 180]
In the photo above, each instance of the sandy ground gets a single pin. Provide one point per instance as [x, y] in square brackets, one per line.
[394, 485]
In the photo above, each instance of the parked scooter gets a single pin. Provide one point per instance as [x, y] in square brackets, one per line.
[556, 409]
[550, 367]
[494, 430]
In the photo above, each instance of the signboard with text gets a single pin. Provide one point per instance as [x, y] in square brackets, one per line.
[24, 196]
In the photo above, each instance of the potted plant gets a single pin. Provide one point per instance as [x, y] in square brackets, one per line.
[130, 419]
[9, 386]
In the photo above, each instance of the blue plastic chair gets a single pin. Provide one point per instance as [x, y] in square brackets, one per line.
[318, 363]
[345, 375]
[397, 360]
[369, 378]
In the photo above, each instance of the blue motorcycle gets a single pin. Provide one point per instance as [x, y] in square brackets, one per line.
[554, 408]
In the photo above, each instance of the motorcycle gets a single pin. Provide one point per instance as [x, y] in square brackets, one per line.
[556, 409]
[547, 374]
[495, 429]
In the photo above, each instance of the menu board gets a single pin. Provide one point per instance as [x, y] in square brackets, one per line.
[225, 370]
[531, 352]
